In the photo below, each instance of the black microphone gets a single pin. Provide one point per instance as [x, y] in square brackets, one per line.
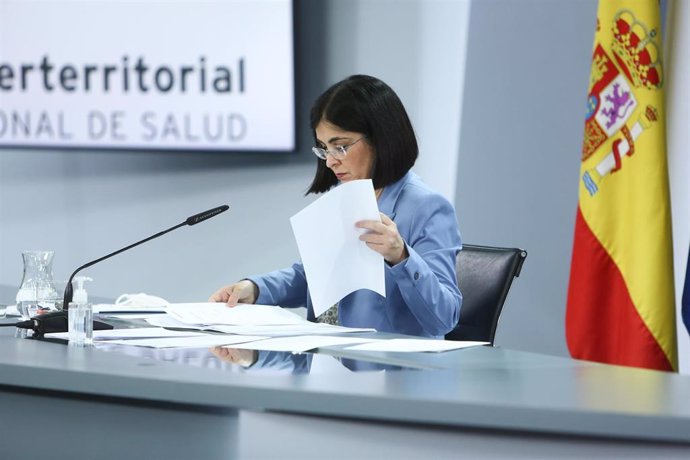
[202, 216]
[57, 321]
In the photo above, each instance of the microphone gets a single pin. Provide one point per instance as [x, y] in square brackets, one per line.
[202, 216]
[58, 321]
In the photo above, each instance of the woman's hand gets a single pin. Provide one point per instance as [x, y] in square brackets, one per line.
[243, 291]
[383, 237]
[244, 358]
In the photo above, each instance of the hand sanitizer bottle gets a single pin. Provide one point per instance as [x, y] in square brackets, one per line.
[80, 295]
[80, 315]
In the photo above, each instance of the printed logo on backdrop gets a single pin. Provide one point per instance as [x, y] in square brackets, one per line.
[612, 106]
[185, 75]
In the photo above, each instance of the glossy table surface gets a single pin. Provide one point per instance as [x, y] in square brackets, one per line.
[482, 387]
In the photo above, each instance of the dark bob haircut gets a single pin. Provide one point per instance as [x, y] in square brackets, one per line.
[366, 105]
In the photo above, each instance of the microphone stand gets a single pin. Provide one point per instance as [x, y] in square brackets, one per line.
[58, 321]
[68, 289]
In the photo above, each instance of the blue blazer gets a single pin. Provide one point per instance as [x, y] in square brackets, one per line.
[422, 296]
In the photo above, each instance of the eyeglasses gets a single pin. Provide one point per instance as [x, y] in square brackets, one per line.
[339, 152]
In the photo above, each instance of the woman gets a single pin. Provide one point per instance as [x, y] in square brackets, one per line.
[362, 131]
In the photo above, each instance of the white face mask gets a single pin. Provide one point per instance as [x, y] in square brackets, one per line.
[141, 300]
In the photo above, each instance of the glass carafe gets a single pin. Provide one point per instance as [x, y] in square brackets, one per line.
[37, 293]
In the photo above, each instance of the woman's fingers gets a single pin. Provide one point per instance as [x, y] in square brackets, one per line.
[384, 238]
[242, 292]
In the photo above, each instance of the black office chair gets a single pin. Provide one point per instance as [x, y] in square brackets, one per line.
[484, 276]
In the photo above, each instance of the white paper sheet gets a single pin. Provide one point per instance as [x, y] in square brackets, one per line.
[299, 344]
[336, 262]
[279, 330]
[200, 341]
[415, 345]
[130, 333]
[241, 315]
[168, 321]
[131, 315]
[308, 328]
[105, 308]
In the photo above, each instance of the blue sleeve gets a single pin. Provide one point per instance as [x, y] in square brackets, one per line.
[427, 279]
[286, 287]
[282, 362]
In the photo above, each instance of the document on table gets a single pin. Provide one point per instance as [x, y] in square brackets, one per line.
[198, 341]
[104, 308]
[132, 315]
[299, 344]
[415, 345]
[130, 333]
[336, 262]
[170, 322]
[308, 328]
[200, 314]
[271, 330]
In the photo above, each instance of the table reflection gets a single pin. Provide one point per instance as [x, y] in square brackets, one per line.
[240, 360]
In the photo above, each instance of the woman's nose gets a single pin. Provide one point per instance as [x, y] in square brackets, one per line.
[330, 161]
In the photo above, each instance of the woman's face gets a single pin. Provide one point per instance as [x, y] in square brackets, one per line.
[360, 156]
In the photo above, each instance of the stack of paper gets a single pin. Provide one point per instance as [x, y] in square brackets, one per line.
[197, 341]
[158, 337]
[244, 319]
[204, 314]
[300, 344]
[130, 333]
[415, 345]
[254, 327]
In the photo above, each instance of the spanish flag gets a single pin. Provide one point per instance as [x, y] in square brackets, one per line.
[621, 307]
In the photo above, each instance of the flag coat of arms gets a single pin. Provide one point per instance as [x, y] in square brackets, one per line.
[621, 307]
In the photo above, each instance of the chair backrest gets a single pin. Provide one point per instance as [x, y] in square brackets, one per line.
[484, 276]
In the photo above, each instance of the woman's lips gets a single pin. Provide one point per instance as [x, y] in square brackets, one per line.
[340, 175]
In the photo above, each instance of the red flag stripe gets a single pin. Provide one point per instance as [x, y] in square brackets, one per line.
[605, 326]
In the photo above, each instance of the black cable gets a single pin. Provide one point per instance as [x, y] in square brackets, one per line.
[8, 324]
